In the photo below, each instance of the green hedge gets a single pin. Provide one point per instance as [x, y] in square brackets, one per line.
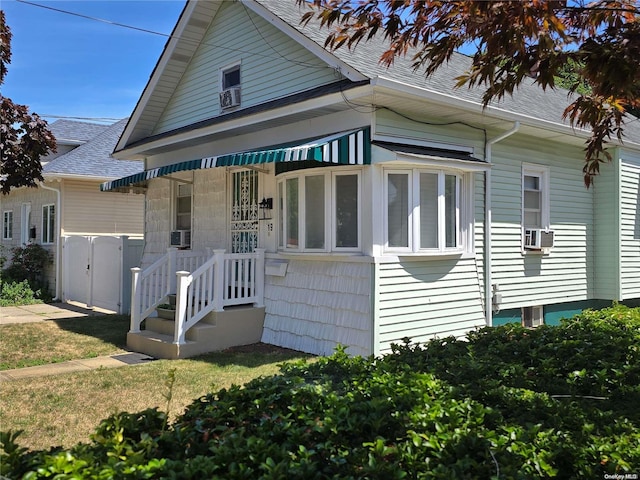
[508, 403]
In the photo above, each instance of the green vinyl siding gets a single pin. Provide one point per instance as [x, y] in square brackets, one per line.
[630, 226]
[424, 129]
[531, 278]
[423, 299]
[607, 230]
[272, 66]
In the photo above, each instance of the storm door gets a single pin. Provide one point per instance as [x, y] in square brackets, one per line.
[244, 211]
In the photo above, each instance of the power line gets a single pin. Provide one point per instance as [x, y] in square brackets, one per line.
[169, 36]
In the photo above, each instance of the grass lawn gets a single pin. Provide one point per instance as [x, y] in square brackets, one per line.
[65, 409]
[53, 341]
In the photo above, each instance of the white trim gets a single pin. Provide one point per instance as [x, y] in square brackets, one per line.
[543, 173]
[51, 233]
[330, 196]
[25, 220]
[333, 216]
[5, 223]
[227, 68]
[464, 213]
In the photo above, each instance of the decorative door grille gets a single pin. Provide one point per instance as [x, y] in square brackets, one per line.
[244, 211]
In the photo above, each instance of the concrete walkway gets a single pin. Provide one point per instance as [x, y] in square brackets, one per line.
[60, 311]
[47, 311]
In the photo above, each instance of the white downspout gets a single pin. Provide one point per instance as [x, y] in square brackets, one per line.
[58, 239]
[488, 288]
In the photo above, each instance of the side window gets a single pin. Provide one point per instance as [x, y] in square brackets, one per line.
[423, 211]
[7, 225]
[48, 224]
[183, 206]
[320, 212]
[229, 87]
[535, 196]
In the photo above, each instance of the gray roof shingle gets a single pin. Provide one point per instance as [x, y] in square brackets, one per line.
[529, 99]
[93, 159]
[74, 131]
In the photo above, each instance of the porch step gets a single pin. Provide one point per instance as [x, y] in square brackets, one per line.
[217, 331]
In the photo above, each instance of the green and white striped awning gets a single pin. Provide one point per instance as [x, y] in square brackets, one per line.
[344, 148]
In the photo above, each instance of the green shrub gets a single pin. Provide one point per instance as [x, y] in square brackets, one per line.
[508, 403]
[18, 293]
[28, 263]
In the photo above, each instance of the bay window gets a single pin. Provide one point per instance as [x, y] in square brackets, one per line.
[424, 211]
[320, 212]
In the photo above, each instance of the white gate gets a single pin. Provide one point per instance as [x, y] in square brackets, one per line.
[96, 270]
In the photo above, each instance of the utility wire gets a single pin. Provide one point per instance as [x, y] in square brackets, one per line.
[169, 36]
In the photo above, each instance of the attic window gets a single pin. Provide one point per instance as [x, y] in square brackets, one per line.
[231, 77]
[230, 87]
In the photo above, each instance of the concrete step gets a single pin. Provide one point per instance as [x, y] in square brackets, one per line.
[218, 331]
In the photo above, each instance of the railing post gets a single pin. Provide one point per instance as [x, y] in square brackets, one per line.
[181, 307]
[135, 301]
[173, 262]
[218, 281]
[259, 277]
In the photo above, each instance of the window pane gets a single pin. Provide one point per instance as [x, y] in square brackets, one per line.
[398, 209]
[532, 219]
[292, 212]
[531, 182]
[451, 210]
[184, 190]
[45, 225]
[52, 223]
[280, 215]
[532, 200]
[428, 210]
[347, 211]
[314, 211]
[184, 205]
[231, 78]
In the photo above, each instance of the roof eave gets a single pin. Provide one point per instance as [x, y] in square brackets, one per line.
[383, 83]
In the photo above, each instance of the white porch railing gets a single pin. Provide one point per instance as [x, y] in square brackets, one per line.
[202, 284]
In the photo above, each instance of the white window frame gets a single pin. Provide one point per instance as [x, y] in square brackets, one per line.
[48, 234]
[536, 314]
[25, 223]
[226, 69]
[7, 225]
[174, 205]
[464, 212]
[543, 173]
[330, 233]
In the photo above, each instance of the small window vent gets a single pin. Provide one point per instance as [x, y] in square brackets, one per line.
[532, 317]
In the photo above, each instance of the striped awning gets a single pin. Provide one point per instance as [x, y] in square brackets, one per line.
[344, 148]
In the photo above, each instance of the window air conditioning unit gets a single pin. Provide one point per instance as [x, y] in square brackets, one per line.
[230, 98]
[538, 239]
[181, 238]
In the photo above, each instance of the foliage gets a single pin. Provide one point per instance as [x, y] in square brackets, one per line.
[513, 42]
[508, 403]
[18, 293]
[24, 136]
[23, 280]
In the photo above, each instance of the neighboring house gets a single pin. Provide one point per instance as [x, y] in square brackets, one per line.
[389, 205]
[68, 205]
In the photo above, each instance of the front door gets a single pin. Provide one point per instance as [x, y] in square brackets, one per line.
[244, 211]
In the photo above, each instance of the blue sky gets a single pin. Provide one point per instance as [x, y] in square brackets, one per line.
[68, 66]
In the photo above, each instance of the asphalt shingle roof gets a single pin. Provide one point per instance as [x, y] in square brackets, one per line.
[72, 130]
[94, 157]
[529, 99]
